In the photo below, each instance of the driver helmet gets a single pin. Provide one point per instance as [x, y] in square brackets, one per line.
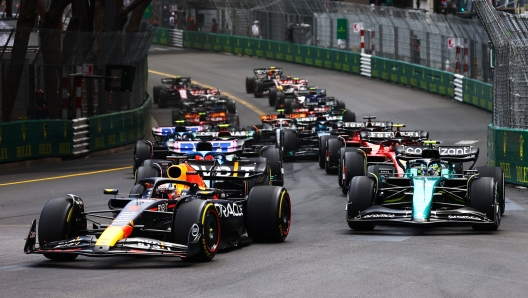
[271, 70]
[434, 170]
[288, 77]
[313, 90]
[284, 123]
[167, 189]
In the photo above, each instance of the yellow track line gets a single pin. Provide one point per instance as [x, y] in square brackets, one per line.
[66, 176]
[247, 104]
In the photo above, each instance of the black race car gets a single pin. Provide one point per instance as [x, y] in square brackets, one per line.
[163, 217]
[264, 79]
[172, 91]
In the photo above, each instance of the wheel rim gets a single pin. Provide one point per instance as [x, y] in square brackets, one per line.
[285, 214]
[211, 231]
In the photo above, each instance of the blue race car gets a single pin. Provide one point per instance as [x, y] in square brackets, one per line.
[431, 192]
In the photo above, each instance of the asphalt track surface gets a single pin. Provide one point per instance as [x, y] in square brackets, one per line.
[321, 257]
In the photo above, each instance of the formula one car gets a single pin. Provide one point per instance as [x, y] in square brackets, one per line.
[287, 87]
[264, 79]
[162, 135]
[315, 97]
[163, 217]
[430, 192]
[375, 148]
[171, 91]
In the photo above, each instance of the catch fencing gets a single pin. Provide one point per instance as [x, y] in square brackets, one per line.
[57, 69]
[438, 41]
[509, 36]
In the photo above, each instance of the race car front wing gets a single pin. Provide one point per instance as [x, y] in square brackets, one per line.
[85, 245]
[383, 215]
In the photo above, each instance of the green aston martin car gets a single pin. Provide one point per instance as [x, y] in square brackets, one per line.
[432, 190]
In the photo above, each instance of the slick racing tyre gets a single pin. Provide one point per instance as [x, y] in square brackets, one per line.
[142, 152]
[273, 155]
[146, 171]
[204, 213]
[341, 105]
[342, 152]
[360, 197]
[259, 88]
[280, 101]
[288, 142]
[353, 164]
[156, 93]
[288, 105]
[163, 98]
[272, 96]
[250, 84]
[268, 214]
[349, 116]
[332, 155]
[61, 219]
[483, 196]
[322, 149]
[498, 174]
[231, 106]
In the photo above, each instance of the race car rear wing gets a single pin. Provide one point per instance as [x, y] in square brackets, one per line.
[381, 135]
[226, 134]
[168, 130]
[174, 81]
[265, 71]
[359, 125]
[448, 153]
[267, 118]
[228, 170]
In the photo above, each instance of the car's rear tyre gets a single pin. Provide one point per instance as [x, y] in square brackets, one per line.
[332, 155]
[273, 155]
[198, 211]
[142, 152]
[288, 142]
[272, 96]
[360, 197]
[259, 88]
[483, 195]
[280, 100]
[146, 172]
[353, 166]
[349, 116]
[341, 105]
[498, 174]
[268, 214]
[231, 106]
[322, 149]
[250, 84]
[163, 98]
[60, 220]
[342, 152]
[156, 93]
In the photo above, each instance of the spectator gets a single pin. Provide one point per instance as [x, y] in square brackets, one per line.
[255, 32]
[171, 21]
[289, 33]
[415, 49]
[41, 106]
[214, 27]
[191, 26]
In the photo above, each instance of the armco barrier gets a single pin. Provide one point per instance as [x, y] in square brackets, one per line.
[32, 139]
[118, 129]
[506, 149]
[29, 139]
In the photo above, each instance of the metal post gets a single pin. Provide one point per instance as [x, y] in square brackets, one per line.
[78, 97]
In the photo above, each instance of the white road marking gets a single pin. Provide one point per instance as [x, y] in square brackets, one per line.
[379, 238]
[511, 206]
[466, 142]
[159, 49]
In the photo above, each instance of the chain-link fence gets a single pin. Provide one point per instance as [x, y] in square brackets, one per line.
[509, 36]
[53, 61]
[439, 41]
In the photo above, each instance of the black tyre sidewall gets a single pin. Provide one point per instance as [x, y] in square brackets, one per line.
[275, 163]
[262, 213]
